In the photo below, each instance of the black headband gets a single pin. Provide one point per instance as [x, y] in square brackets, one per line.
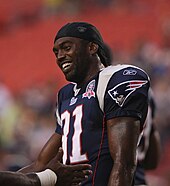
[80, 30]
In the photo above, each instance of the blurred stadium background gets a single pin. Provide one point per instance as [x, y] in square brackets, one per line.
[138, 32]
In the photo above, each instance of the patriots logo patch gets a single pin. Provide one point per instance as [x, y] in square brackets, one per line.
[123, 90]
[89, 90]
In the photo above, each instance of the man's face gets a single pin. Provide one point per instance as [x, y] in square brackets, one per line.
[72, 57]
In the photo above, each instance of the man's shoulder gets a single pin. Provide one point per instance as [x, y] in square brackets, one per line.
[66, 90]
[122, 71]
[116, 68]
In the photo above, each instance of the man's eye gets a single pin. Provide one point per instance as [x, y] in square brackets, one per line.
[67, 48]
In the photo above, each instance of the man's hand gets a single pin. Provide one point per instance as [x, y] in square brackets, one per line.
[68, 175]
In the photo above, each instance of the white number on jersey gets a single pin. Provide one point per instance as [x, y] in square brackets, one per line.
[76, 155]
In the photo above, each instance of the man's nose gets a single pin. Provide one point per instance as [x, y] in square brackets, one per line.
[61, 54]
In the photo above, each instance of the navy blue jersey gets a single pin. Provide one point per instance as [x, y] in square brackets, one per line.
[116, 91]
[145, 142]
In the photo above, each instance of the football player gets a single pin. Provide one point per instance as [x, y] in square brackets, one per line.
[100, 113]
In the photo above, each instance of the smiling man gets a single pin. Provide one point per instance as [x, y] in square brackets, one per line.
[100, 113]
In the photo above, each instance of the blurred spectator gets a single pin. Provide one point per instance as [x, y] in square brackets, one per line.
[8, 114]
[34, 122]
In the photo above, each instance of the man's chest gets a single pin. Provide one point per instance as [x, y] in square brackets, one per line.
[81, 110]
[82, 122]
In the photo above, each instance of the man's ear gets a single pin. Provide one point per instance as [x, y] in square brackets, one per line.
[93, 48]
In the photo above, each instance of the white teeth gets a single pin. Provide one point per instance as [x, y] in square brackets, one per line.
[65, 65]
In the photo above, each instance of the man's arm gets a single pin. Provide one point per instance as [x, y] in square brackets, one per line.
[19, 179]
[66, 174]
[56, 174]
[36, 179]
[123, 133]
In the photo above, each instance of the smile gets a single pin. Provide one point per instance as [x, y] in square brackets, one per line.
[66, 66]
